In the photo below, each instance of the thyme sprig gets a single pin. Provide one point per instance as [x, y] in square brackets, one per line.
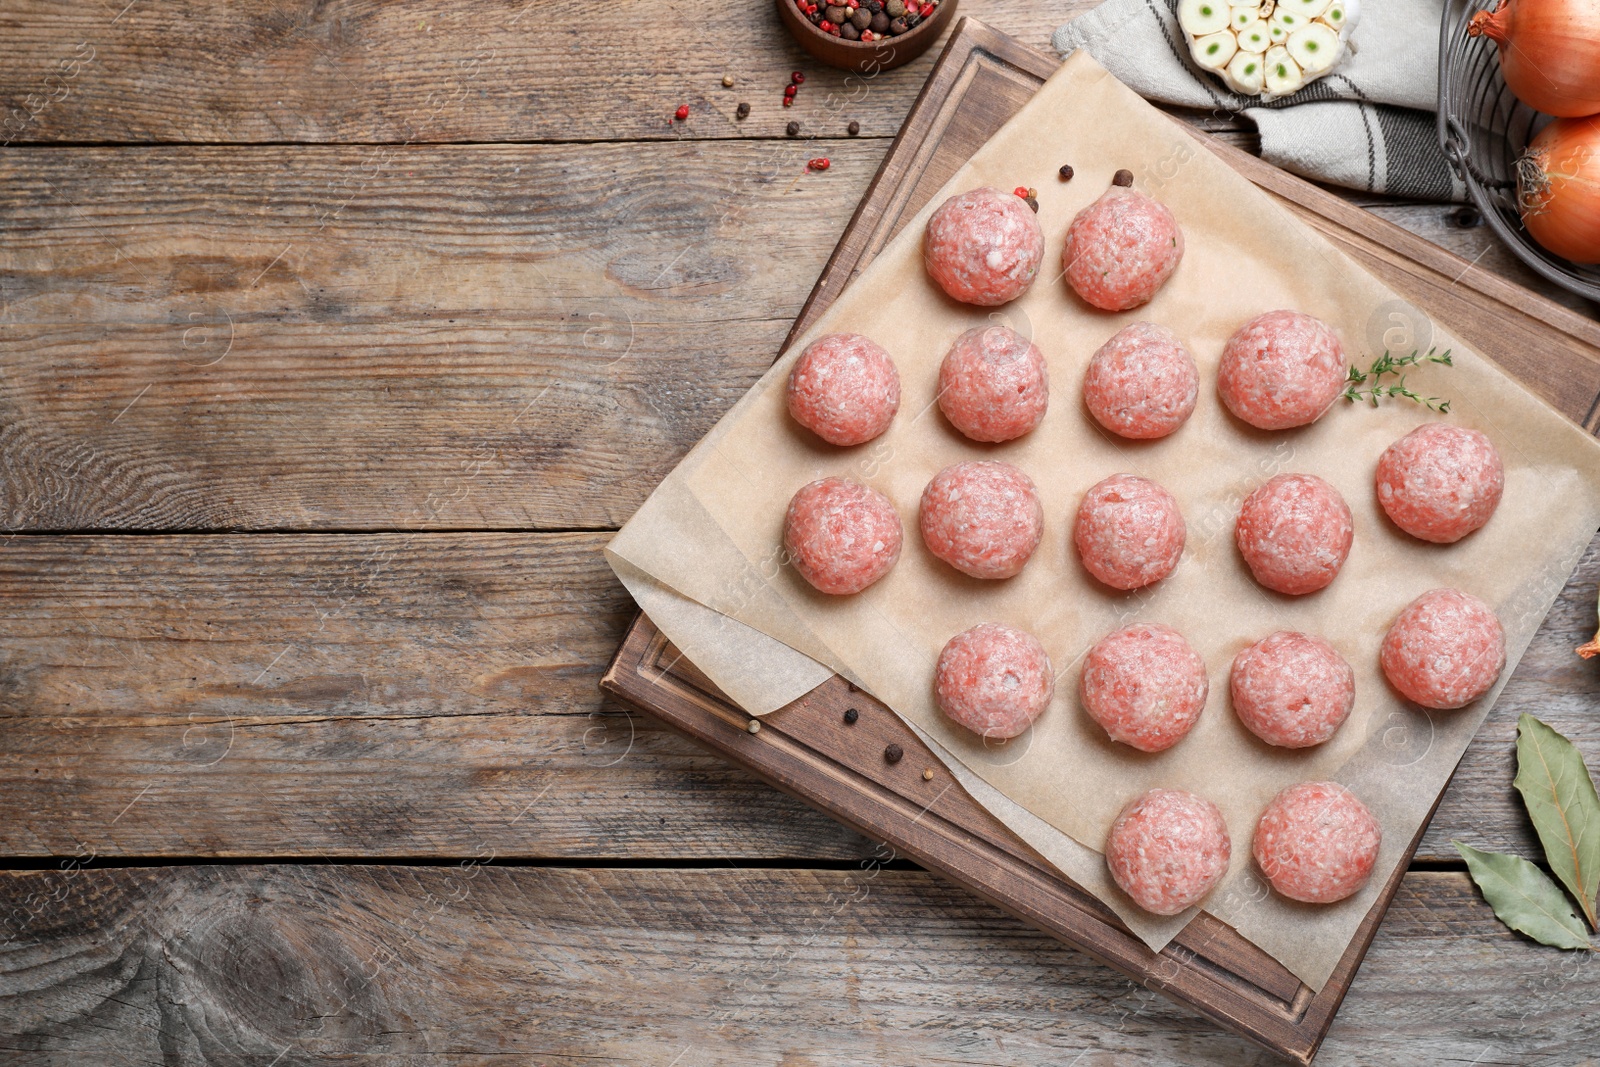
[1391, 364]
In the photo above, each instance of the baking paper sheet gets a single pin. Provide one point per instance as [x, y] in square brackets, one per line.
[712, 531]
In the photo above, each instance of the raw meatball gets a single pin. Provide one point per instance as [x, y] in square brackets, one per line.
[1168, 849]
[983, 247]
[1295, 533]
[994, 680]
[1439, 483]
[844, 389]
[1121, 249]
[982, 518]
[1145, 685]
[1281, 369]
[1445, 650]
[993, 385]
[1292, 690]
[1142, 383]
[1317, 843]
[1129, 532]
[841, 536]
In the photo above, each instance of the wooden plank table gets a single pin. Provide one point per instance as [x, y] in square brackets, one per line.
[334, 340]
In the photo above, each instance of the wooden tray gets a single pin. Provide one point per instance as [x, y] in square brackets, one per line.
[807, 749]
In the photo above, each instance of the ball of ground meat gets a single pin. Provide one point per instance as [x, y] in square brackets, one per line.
[1121, 249]
[1295, 533]
[844, 388]
[1444, 650]
[1144, 685]
[841, 536]
[1142, 383]
[994, 680]
[1281, 369]
[1128, 532]
[993, 385]
[1317, 843]
[1439, 483]
[983, 518]
[1292, 690]
[1168, 849]
[983, 247]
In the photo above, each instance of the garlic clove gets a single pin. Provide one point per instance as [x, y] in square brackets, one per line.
[1283, 74]
[1254, 37]
[1314, 47]
[1287, 19]
[1242, 15]
[1245, 74]
[1305, 9]
[1214, 50]
[1201, 17]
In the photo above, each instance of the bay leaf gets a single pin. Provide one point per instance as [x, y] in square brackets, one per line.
[1561, 801]
[1524, 898]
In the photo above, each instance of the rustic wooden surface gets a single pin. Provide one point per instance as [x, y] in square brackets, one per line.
[276, 298]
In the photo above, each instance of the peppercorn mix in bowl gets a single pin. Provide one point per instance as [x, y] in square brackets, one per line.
[866, 36]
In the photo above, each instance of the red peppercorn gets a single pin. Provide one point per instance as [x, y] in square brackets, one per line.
[820, 163]
[867, 35]
[788, 90]
[926, 10]
[682, 112]
[797, 77]
[1022, 191]
[788, 101]
[825, 26]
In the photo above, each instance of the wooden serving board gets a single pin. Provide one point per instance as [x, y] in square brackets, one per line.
[807, 748]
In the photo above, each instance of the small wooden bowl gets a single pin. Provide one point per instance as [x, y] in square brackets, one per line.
[871, 57]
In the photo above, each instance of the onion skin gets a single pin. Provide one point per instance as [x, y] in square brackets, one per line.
[1558, 188]
[1549, 52]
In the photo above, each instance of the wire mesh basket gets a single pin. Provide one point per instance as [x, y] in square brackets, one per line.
[1483, 129]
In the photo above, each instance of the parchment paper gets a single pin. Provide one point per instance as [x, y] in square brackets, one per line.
[712, 530]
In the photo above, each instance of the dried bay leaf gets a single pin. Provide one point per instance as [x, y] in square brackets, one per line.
[1524, 898]
[1561, 801]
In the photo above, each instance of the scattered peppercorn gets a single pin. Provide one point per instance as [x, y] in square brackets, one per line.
[852, 687]
[1065, 172]
[788, 90]
[851, 715]
[927, 775]
[742, 111]
[682, 112]
[754, 726]
[793, 129]
[1021, 191]
[1033, 194]
[788, 101]
[1123, 178]
[727, 81]
[893, 753]
[1033, 203]
[820, 163]
[853, 129]
[797, 76]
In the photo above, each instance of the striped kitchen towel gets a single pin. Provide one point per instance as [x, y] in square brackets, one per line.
[1368, 125]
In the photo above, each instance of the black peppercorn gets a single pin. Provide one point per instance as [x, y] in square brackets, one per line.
[1123, 178]
[853, 129]
[1033, 204]
[893, 753]
[1065, 172]
[742, 111]
[849, 32]
[851, 715]
[793, 129]
[897, 26]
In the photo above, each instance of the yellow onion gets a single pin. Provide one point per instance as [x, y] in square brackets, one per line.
[1558, 188]
[1549, 52]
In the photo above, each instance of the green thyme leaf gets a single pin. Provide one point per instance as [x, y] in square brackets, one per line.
[1561, 801]
[1524, 898]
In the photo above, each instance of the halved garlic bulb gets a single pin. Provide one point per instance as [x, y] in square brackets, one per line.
[1268, 48]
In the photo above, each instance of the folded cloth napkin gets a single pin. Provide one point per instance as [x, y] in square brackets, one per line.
[1369, 124]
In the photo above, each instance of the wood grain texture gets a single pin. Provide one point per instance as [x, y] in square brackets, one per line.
[334, 964]
[406, 695]
[334, 338]
[367, 71]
